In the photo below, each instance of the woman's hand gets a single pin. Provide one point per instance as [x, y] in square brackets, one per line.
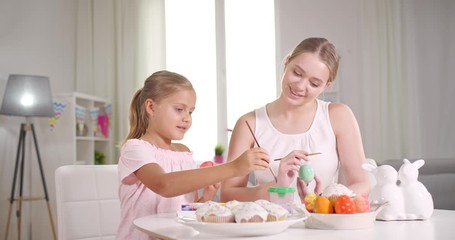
[209, 192]
[289, 167]
[302, 187]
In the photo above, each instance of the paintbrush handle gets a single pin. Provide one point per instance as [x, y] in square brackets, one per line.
[252, 133]
[257, 143]
[308, 154]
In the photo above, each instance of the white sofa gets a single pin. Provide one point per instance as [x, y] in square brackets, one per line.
[438, 176]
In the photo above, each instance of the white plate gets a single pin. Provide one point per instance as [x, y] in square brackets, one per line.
[343, 221]
[237, 229]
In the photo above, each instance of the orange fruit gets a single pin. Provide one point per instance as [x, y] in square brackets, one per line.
[345, 204]
[323, 205]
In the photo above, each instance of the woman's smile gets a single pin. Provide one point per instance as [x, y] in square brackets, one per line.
[296, 92]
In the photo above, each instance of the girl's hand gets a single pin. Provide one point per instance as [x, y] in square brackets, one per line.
[289, 167]
[252, 159]
[209, 192]
[302, 187]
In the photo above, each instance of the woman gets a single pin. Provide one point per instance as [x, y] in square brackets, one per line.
[298, 123]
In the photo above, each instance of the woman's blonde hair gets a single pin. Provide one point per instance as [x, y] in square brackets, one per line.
[324, 49]
[157, 87]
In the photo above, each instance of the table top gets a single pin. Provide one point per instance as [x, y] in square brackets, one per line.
[441, 225]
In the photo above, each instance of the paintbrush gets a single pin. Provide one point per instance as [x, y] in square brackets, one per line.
[308, 154]
[257, 143]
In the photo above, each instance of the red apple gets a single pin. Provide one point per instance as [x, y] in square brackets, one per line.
[207, 164]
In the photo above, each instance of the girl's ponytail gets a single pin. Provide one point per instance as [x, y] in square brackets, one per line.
[138, 123]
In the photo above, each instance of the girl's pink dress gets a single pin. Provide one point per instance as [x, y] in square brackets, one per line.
[137, 200]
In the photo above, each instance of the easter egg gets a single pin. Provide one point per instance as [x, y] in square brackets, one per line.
[310, 201]
[306, 173]
[362, 204]
[207, 164]
[323, 205]
[345, 205]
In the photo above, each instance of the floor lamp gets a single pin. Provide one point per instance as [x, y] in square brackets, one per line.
[26, 96]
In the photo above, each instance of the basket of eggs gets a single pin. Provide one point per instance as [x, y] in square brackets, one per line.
[337, 207]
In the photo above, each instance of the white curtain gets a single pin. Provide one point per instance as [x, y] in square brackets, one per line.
[119, 44]
[433, 32]
[408, 60]
[389, 93]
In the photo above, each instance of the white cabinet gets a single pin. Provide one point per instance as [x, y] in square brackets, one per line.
[83, 127]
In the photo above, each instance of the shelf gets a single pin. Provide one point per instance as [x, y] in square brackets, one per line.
[80, 130]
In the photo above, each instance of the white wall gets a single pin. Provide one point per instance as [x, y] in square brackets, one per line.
[337, 21]
[36, 37]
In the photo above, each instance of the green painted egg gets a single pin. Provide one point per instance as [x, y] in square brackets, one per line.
[306, 173]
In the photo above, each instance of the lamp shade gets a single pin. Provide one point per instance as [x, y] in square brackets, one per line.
[28, 96]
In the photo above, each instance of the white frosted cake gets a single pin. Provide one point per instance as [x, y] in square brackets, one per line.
[337, 189]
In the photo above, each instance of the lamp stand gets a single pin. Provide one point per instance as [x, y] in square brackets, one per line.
[20, 155]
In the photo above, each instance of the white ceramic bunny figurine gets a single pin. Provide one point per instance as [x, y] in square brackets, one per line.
[419, 202]
[386, 190]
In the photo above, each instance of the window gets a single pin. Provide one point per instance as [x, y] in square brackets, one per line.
[250, 56]
[250, 63]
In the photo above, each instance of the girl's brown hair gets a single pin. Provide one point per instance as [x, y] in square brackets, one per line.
[324, 49]
[158, 86]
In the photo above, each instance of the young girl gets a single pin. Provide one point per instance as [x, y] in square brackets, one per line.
[157, 175]
[298, 123]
